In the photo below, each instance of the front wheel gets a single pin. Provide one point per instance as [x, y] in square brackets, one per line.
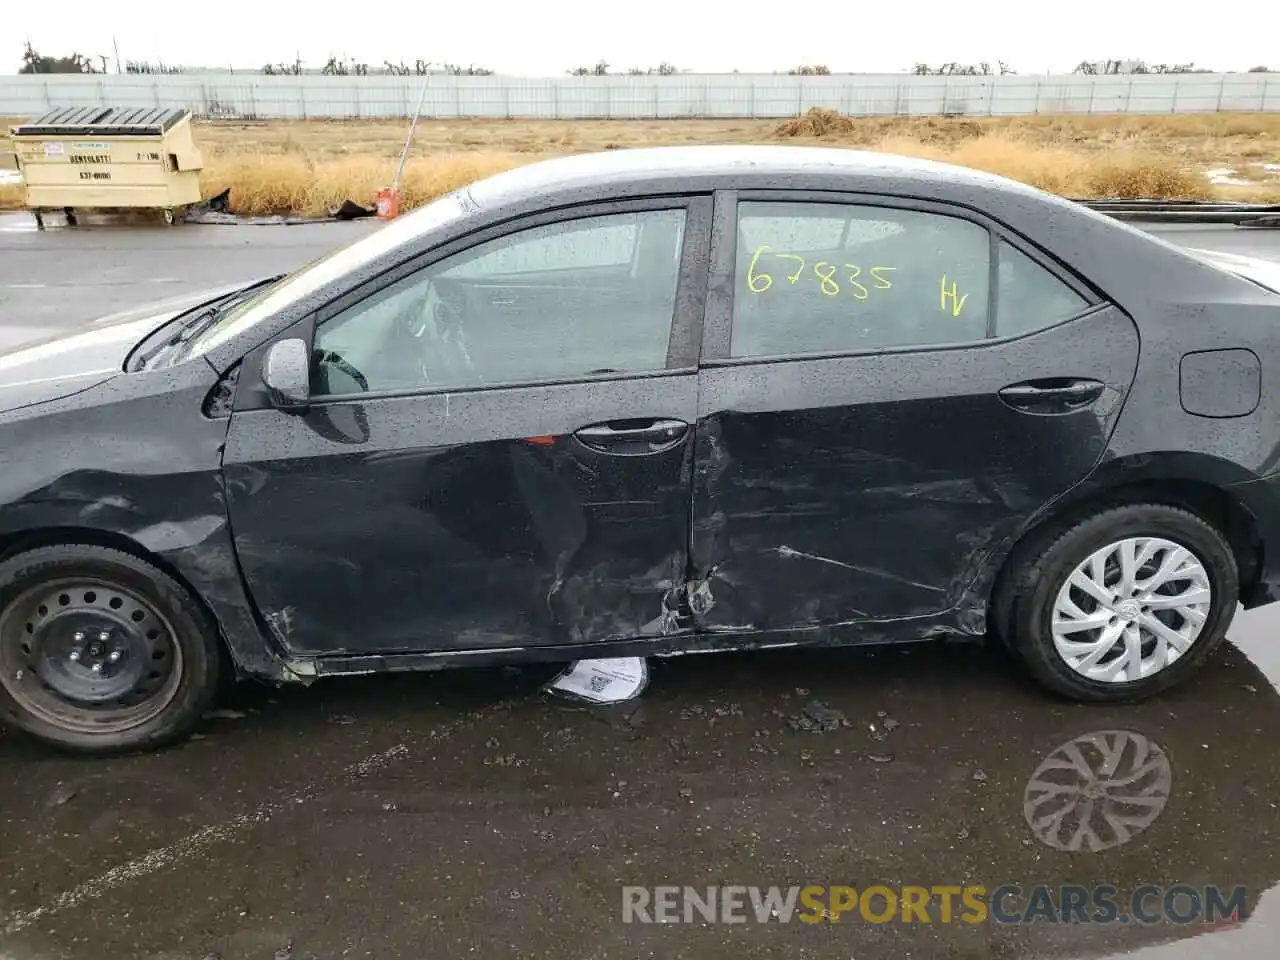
[100, 651]
[1123, 604]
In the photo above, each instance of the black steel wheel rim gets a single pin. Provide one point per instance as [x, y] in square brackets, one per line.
[88, 655]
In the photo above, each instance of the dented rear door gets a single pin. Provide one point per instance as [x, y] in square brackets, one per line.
[887, 390]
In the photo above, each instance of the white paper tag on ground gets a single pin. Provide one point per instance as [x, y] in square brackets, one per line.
[607, 680]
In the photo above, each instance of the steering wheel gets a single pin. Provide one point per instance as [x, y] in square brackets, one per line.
[445, 357]
[338, 363]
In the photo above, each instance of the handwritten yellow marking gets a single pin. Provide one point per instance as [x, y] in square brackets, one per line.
[952, 294]
[854, 273]
[759, 280]
[829, 286]
[792, 256]
[752, 276]
[881, 282]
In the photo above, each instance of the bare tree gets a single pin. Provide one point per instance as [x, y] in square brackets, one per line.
[663, 69]
[33, 62]
[600, 69]
[146, 67]
[284, 69]
[954, 69]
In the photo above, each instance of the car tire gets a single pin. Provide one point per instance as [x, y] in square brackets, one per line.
[102, 652]
[1029, 606]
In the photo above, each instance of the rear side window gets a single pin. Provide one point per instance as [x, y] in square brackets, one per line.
[826, 277]
[1031, 297]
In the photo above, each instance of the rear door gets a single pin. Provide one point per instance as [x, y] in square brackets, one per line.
[888, 388]
[499, 449]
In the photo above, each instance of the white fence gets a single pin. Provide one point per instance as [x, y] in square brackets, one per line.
[646, 97]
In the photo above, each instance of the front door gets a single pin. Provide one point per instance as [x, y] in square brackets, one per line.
[875, 417]
[499, 449]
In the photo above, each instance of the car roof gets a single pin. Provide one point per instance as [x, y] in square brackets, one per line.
[655, 166]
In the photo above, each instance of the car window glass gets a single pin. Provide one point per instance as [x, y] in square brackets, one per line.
[1030, 296]
[822, 277]
[302, 283]
[809, 233]
[568, 299]
[610, 243]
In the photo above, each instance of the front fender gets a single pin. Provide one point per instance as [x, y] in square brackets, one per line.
[134, 462]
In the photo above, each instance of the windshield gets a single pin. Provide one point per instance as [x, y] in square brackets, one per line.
[318, 274]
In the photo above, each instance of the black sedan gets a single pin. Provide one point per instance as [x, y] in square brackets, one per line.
[648, 402]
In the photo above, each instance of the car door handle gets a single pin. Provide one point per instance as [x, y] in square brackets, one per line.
[633, 437]
[1056, 395]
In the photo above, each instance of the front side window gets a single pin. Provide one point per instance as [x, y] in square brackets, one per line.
[573, 298]
[827, 277]
[437, 215]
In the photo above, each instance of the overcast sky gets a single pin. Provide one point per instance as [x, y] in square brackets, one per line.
[547, 37]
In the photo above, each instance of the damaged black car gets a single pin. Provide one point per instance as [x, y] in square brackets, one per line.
[648, 402]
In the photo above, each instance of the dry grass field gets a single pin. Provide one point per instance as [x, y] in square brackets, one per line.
[307, 167]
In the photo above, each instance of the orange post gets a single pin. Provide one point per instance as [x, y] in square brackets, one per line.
[388, 204]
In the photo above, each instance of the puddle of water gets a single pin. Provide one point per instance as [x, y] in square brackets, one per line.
[1227, 176]
[1224, 176]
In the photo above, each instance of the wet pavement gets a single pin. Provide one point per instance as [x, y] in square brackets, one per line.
[59, 278]
[464, 813]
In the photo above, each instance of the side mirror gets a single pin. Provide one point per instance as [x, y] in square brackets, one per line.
[286, 371]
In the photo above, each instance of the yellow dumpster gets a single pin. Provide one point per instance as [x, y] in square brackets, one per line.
[108, 158]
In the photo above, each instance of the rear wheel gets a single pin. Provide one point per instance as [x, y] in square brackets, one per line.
[1121, 605]
[100, 651]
